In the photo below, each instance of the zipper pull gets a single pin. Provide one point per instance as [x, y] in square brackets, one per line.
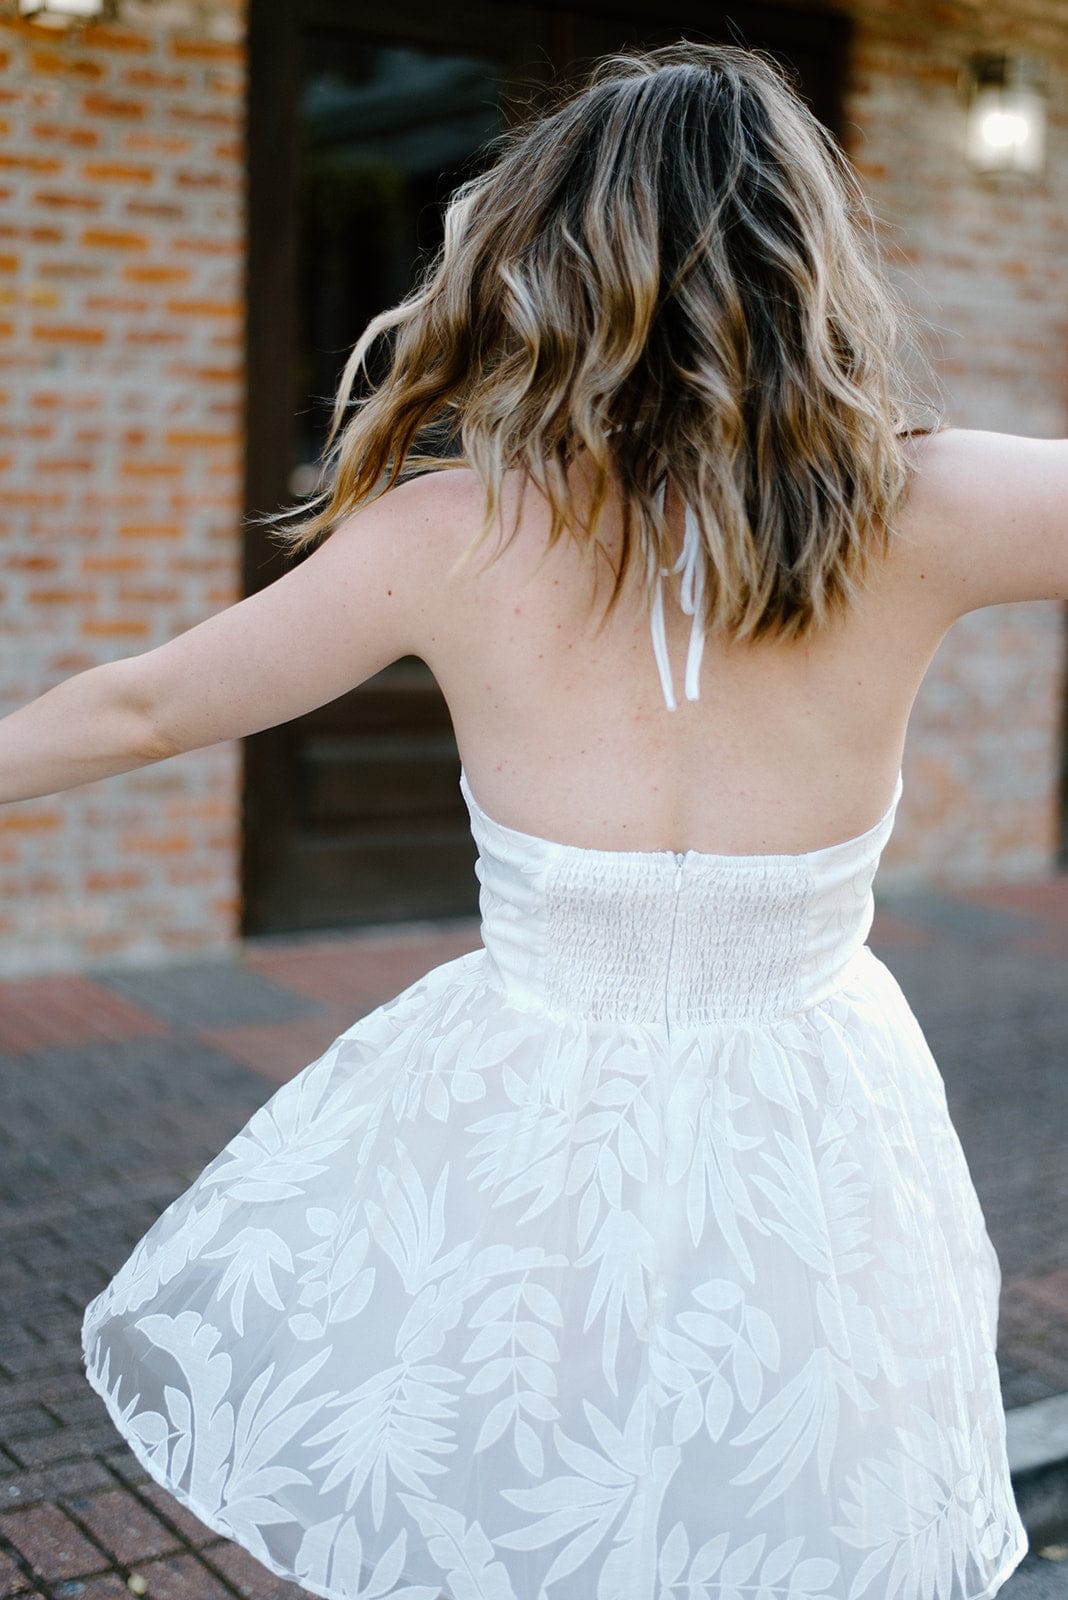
[679, 859]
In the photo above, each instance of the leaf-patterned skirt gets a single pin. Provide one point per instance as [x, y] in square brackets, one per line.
[491, 1305]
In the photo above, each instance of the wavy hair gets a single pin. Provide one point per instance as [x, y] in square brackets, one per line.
[672, 271]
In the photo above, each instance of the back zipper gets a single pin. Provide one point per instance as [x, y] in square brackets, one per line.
[680, 858]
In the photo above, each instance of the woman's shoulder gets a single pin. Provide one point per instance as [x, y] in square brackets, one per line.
[984, 520]
[987, 515]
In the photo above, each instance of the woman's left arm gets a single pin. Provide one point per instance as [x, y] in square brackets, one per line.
[355, 604]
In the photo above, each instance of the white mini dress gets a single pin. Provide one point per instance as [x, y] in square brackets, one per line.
[631, 1256]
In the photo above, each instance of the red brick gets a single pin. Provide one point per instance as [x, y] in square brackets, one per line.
[115, 238]
[206, 180]
[69, 270]
[151, 78]
[278, 1050]
[80, 136]
[30, 821]
[206, 119]
[68, 661]
[172, 1512]
[65, 200]
[118, 171]
[29, 163]
[204, 308]
[159, 596]
[156, 210]
[31, 497]
[208, 247]
[206, 50]
[60, 464]
[162, 143]
[55, 400]
[107, 882]
[125, 1528]
[77, 1477]
[98, 104]
[197, 437]
[251, 1578]
[96, 35]
[58, 61]
[37, 233]
[151, 530]
[115, 302]
[69, 333]
[27, 563]
[158, 273]
[109, 1586]
[151, 469]
[115, 629]
[41, 1013]
[156, 844]
[182, 1578]
[228, 375]
[59, 596]
[110, 563]
[52, 1544]
[65, 1444]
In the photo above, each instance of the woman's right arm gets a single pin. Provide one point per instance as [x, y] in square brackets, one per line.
[993, 510]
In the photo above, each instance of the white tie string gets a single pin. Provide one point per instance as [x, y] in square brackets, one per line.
[691, 564]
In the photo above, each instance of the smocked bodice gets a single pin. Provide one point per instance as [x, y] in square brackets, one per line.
[671, 937]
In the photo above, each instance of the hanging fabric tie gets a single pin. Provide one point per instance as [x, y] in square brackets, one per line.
[691, 564]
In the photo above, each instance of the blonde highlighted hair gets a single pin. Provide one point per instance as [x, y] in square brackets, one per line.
[672, 272]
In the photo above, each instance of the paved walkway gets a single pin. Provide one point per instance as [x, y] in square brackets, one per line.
[117, 1088]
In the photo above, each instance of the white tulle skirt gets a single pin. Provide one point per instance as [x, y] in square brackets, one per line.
[489, 1304]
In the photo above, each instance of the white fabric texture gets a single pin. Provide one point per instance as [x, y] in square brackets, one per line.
[632, 1256]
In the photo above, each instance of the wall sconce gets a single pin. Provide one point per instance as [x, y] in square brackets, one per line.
[1005, 129]
[61, 13]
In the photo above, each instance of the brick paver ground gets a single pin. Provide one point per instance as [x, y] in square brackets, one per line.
[119, 1086]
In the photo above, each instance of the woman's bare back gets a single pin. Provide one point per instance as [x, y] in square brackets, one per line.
[790, 747]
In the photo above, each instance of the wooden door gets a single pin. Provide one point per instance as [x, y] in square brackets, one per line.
[362, 119]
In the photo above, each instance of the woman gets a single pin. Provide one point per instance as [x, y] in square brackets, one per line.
[634, 1254]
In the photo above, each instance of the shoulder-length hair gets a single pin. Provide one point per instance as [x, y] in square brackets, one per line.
[672, 272]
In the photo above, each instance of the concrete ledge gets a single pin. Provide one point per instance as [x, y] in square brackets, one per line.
[1037, 1440]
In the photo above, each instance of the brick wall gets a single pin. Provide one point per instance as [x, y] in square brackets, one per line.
[985, 263]
[121, 257]
[121, 392]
